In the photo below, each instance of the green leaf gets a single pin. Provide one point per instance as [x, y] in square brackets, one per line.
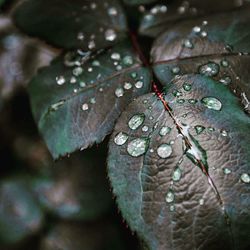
[73, 24]
[163, 16]
[77, 99]
[184, 171]
[20, 213]
[220, 46]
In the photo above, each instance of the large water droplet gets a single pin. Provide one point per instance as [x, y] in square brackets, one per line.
[137, 147]
[245, 178]
[209, 69]
[120, 138]
[212, 103]
[136, 121]
[164, 150]
[176, 176]
[169, 196]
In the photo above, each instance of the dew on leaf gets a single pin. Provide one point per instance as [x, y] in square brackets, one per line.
[187, 43]
[196, 29]
[201, 202]
[136, 121]
[199, 129]
[164, 150]
[115, 56]
[212, 103]
[60, 80]
[164, 131]
[187, 86]
[91, 44]
[192, 101]
[177, 93]
[176, 70]
[176, 176]
[133, 75]
[119, 92]
[223, 132]
[209, 69]
[80, 36]
[180, 101]
[77, 71]
[203, 34]
[224, 63]
[137, 147]
[144, 128]
[245, 178]
[73, 79]
[139, 84]
[92, 100]
[128, 60]
[227, 171]
[85, 107]
[110, 35]
[120, 138]
[226, 80]
[127, 85]
[172, 208]
[169, 196]
[112, 11]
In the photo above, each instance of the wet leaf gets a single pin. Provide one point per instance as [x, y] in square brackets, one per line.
[88, 25]
[215, 48]
[20, 213]
[188, 173]
[162, 16]
[76, 105]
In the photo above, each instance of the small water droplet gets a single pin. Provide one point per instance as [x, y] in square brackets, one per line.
[164, 131]
[203, 34]
[187, 86]
[172, 208]
[119, 92]
[226, 80]
[127, 85]
[201, 202]
[91, 44]
[209, 69]
[77, 71]
[136, 121]
[223, 132]
[115, 56]
[212, 103]
[85, 107]
[187, 43]
[133, 75]
[110, 35]
[120, 138]
[137, 147]
[199, 129]
[128, 60]
[177, 93]
[139, 84]
[112, 11]
[169, 196]
[196, 29]
[92, 100]
[180, 101]
[176, 176]
[176, 70]
[224, 63]
[245, 178]
[192, 101]
[164, 150]
[144, 128]
[80, 36]
[73, 80]
[227, 171]
[60, 80]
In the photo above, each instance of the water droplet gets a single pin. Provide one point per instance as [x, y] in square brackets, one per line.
[91, 44]
[137, 147]
[176, 176]
[223, 132]
[119, 92]
[112, 11]
[203, 34]
[192, 101]
[164, 131]
[136, 121]
[128, 60]
[92, 100]
[212, 103]
[80, 36]
[177, 93]
[224, 63]
[73, 80]
[187, 86]
[82, 84]
[115, 56]
[120, 138]
[227, 171]
[201, 202]
[172, 208]
[226, 80]
[181, 101]
[110, 35]
[144, 128]
[139, 84]
[187, 43]
[85, 107]
[96, 63]
[169, 196]
[60, 80]
[176, 70]
[245, 178]
[199, 129]
[164, 150]
[133, 75]
[127, 85]
[196, 29]
[77, 71]
[204, 23]
[209, 69]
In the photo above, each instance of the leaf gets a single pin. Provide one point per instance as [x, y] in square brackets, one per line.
[196, 48]
[184, 171]
[73, 24]
[20, 214]
[77, 188]
[17, 66]
[162, 16]
[76, 105]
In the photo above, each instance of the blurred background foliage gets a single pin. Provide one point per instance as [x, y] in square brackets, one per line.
[47, 205]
